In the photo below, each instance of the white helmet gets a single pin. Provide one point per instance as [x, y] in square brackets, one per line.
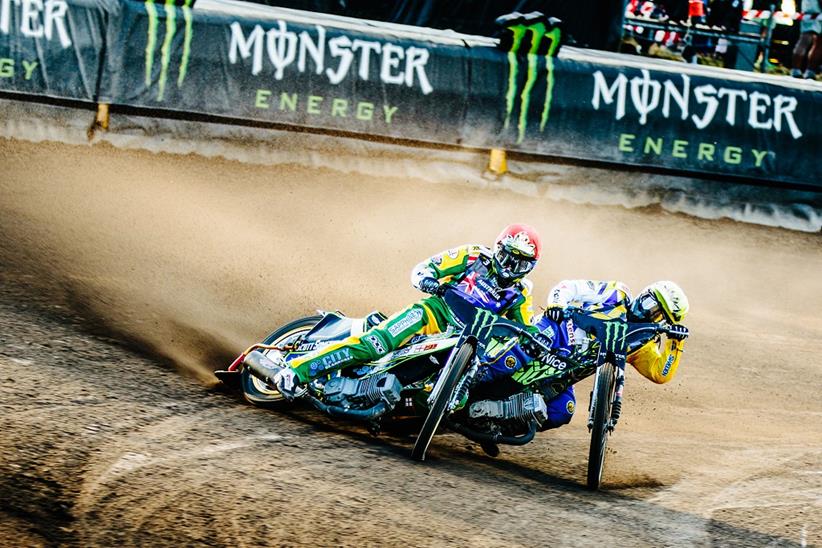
[660, 300]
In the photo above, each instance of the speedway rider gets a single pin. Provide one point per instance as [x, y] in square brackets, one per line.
[495, 277]
[661, 301]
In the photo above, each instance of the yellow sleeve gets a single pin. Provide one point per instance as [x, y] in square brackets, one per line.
[443, 266]
[655, 365]
[523, 311]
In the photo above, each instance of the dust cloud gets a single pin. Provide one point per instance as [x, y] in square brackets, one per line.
[195, 258]
[191, 259]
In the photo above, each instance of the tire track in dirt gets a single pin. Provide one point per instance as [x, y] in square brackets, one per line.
[189, 259]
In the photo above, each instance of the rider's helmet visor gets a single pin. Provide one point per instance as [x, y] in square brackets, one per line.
[511, 264]
[647, 308]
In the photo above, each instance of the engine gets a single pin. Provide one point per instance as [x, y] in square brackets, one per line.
[523, 407]
[347, 392]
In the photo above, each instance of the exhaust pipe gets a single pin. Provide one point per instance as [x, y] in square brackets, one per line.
[356, 414]
[482, 437]
[260, 366]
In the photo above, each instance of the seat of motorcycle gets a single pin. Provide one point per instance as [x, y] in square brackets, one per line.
[374, 319]
[336, 325]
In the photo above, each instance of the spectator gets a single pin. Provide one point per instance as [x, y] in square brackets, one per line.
[808, 50]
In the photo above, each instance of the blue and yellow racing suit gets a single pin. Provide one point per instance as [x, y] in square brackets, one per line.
[469, 267]
[655, 360]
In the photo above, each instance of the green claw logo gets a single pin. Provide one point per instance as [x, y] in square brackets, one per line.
[165, 51]
[484, 320]
[539, 32]
[615, 336]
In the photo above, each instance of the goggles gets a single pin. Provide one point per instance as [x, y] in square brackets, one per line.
[511, 262]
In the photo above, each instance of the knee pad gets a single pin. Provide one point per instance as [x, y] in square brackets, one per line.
[376, 344]
[560, 409]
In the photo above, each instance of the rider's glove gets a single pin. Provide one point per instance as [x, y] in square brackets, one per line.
[555, 313]
[534, 350]
[678, 332]
[429, 285]
[286, 382]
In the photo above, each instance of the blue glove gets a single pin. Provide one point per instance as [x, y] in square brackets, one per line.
[429, 285]
[678, 332]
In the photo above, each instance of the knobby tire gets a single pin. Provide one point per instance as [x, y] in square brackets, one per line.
[603, 400]
[459, 365]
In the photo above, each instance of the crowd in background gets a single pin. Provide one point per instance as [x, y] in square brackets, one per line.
[782, 36]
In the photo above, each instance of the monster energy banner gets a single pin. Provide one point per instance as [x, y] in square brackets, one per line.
[684, 120]
[594, 106]
[52, 47]
[269, 65]
[289, 70]
[260, 64]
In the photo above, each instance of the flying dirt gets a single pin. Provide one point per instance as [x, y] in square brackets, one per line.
[129, 276]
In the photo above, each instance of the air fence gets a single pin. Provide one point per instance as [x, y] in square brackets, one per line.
[264, 65]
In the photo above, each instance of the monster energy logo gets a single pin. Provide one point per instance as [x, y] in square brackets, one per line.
[615, 336]
[165, 49]
[484, 320]
[539, 32]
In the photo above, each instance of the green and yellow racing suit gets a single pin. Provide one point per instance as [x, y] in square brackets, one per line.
[469, 267]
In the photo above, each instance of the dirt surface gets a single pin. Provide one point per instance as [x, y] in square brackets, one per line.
[104, 252]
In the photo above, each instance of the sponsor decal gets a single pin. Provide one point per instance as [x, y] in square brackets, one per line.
[453, 253]
[376, 343]
[170, 29]
[334, 359]
[332, 58]
[437, 260]
[411, 317]
[549, 366]
[668, 364]
[570, 407]
[555, 361]
[632, 143]
[430, 346]
[315, 105]
[338, 59]
[510, 362]
[36, 19]
[569, 330]
[538, 34]
[699, 104]
[615, 336]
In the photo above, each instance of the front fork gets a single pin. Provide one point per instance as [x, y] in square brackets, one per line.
[616, 405]
[616, 408]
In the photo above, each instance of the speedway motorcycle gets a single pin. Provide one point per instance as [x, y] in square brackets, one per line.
[435, 376]
[606, 340]
[429, 377]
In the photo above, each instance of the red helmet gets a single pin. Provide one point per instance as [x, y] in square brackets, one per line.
[516, 252]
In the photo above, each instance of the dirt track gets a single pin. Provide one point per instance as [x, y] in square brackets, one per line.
[190, 259]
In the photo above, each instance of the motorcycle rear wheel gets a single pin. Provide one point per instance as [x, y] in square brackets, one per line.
[459, 365]
[603, 400]
[257, 391]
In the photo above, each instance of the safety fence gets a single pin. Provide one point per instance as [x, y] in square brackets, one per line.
[267, 65]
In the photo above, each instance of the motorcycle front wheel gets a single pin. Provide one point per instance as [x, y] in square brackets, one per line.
[459, 366]
[603, 398]
[257, 391]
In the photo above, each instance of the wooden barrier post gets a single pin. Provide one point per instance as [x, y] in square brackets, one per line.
[101, 120]
[497, 162]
